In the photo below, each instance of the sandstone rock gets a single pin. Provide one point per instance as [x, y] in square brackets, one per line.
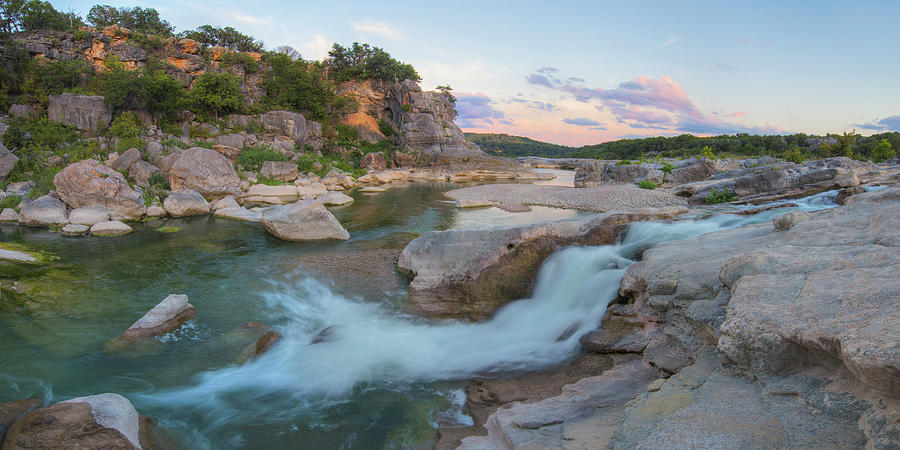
[225, 202]
[471, 273]
[166, 316]
[270, 195]
[110, 228]
[186, 202]
[336, 180]
[85, 112]
[75, 230]
[787, 221]
[125, 160]
[313, 190]
[10, 411]
[22, 188]
[235, 140]
[88, 215]
[205, 171]
[373, 161]
[141, 171]
[279, 170]
[293, 126]
[334, 198]
[89, 183]
[187, 46]
[305, 220]
[239, 213]
[156, 211]
[45, 211]
[7, 162]
[97, 421]
[9, 215]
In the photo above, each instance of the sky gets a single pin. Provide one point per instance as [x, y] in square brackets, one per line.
[580, 73]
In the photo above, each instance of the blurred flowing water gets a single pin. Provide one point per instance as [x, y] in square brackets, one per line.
[379, 375]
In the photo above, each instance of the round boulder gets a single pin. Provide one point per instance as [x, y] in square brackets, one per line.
[305, 220]
[186, 202]
[89, 183]
[43, 212]
[110, 228]
[205, 171]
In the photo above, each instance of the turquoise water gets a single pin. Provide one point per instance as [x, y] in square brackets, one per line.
[382, 378]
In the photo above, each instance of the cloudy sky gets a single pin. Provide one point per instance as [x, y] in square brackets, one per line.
[586, 72]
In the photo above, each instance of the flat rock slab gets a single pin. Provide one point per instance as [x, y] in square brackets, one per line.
[239, 213]
[335, 198]
[110, 228]
[16, 256]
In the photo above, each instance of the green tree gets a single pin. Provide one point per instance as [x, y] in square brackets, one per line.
[883, 151]
[11, 16]
[142, 20]
[226, 37]
[299, 86]
[216, 94]
[362, 61]
[41, 15]
[150, 91]
[43, 78]
[844, 145]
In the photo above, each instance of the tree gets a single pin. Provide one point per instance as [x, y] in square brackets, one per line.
[362, 61]
[11, 15]
[298, 86]
[149, 91]
[142, 20]
[43, 78]
[883, 151]
[226, 37]
[40, 15]
[291, 52]
[216, 94]
[844, 144]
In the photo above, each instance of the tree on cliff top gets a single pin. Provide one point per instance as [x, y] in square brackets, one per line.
[361, 61]
[19, 15]
[142, 20]
[226, 37]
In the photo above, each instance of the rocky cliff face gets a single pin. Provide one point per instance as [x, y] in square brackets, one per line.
[422, 120]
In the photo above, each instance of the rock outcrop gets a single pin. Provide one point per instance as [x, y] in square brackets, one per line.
[593, 173]
[471, 273]
[85, 112]
[205, 171]
[294, 127]
[7, 162]
[88, 184]
[97, 421]
[305, 220]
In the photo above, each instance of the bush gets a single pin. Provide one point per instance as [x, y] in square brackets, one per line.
[44, 78]
[361, 61]
[707, 152]
[794, 155]
[624, 162]
[240, 59]
[216, 94]
[647, 184]
[125, 126]
[252, 158]
[151, 91]
[11, 201]
[715, 196]
[385, 127]
[667, 168]
[883, 152]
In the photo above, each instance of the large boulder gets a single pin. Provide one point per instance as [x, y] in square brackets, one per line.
[279, 170]
[694, 170]
[306, 220]
[471, 273]
[593, 173]
[43, 212]
[141, 171]
[186, 202]
[294, 126]
[85, 112]
[89, 183]
[7, 161]
[98, 421]
[125, 160]
[89, 215]
[205, 171]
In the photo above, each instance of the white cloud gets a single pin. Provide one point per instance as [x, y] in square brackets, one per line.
[671, 41]
[248, 19]
[380, 28]
[317, 48]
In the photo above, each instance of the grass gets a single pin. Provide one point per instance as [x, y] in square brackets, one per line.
[168, 229]
[270, 182]
[10, 201]
[715, 196]
[647, 184]
[252, 158]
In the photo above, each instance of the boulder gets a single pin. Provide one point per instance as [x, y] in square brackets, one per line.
[373, 161]
[89, 183]
[292, 125]
[125, 160]
[235, 140]
[141, 171]
[88, 215]
[334, 198]
[225, 202]
[186, 202]
[787, 221]
[593, 173]
[232, 153]
[43, 212]
[800, 180]
[156, 211]
[336, 180]
[843, 197]
[279, 170]
[85, 112]
[167, 315]
[7, 162]
[239, 213]
[305, 220]
[22, 188]
[9, 215]
[98, 421]
[26, 111]
[10, 411]
[270, 195]
[694, 170]
[75, 230]
[205, 171]
[110, 228]
[471, 273]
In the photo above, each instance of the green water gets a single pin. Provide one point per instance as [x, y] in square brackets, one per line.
[55, 320]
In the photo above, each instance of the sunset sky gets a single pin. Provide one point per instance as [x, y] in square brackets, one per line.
[586, 72]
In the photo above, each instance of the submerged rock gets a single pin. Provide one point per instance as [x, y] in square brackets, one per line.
[256, 348]
[98, 421]
[110, 228]
[306, 220]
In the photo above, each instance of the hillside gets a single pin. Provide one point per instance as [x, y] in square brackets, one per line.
[515, 146]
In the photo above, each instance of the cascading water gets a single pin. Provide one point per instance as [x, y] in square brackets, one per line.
[362, 346]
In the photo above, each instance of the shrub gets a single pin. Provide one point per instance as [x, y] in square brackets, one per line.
[715, 196]
[158, 179]
[883, 151]
[794, 155]
[707, 152]
[361, 61]
[252, 158]
[43, 78]
[667, 168]
[624, 162]
[11, 201]
[647, 184]
[216, 94]
[385, 127]
[125, 126]
[240, 59]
